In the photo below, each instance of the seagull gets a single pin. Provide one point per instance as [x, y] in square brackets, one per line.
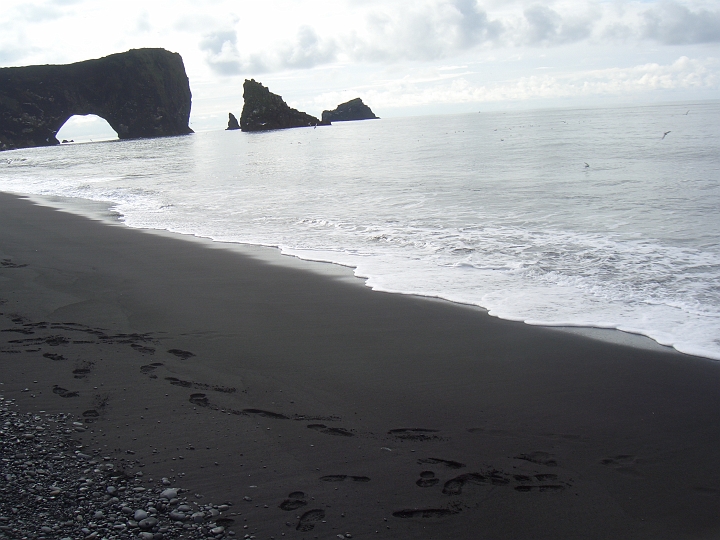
[687, 113]
[664, 135]
[587, 166]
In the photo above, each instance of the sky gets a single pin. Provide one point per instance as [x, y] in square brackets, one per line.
[402, 57]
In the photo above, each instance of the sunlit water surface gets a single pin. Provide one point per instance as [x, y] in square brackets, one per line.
[553, 217]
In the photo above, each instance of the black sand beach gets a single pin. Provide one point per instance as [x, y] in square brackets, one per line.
[395, 416]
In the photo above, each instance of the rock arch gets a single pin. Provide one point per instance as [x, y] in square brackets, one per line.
[140, 93]
[86, 128]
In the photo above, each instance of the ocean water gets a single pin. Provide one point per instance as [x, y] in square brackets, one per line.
[577, 217]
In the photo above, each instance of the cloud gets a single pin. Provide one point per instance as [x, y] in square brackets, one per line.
[307, 50]
[474, 27]
[39, 13]
[682, 74]
[548, 27]
[674, 24]
[9, 54]
[142, 24]
[221, 52]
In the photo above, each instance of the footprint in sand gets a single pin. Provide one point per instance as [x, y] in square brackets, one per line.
[181, 354]
[322, 428]
[425, 513]
[142, 349]
[309, 519]
[436, 461]
[343, 477]
[621, 460]
[64, 393]
[83, 369]
[295, 500]
[149, 368]
[622, 463]
[7, 263]
[53, 356]
[454, 486]
[266, 414]
[200, 400]
[544, 482]
[541, 458]
[415, 434]
[427, 479]
[90, 416]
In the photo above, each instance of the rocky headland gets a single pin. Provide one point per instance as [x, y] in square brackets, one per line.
[263, 111]
[354, 109]
[141, 93]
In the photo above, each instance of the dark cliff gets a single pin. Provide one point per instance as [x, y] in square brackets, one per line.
[140, 93]
[354, 109]
[264, 110]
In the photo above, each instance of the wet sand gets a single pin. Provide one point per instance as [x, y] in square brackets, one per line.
[385, 416]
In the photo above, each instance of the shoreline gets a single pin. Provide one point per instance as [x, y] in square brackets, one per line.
[102, 211]
[384, 415]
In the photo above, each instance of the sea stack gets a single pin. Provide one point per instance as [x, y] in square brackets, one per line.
[354, 109]
[232, 122]
[264, 110]
[140, 93]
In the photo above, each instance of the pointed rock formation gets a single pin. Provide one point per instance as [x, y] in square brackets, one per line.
[354, 109]
[232, 122]
[140, 93]
[264, 110]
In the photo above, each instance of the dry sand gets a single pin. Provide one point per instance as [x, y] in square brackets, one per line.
[396, 416]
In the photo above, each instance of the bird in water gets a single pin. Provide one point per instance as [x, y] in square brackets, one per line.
[664, 135]
[587, 166]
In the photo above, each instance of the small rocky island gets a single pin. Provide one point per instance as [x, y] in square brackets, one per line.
[140, 93]
[354, 109]
[264, 111]
[232, 122]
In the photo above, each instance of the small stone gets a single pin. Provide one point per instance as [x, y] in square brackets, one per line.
[148, 523]
[198, 517]
[140, 515]
[169, 493]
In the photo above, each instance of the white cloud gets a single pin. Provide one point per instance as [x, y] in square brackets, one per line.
[684, 73]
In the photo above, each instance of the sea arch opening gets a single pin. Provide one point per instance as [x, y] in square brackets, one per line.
[85, 128]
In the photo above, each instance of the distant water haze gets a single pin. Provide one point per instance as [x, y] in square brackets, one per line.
[581, 217]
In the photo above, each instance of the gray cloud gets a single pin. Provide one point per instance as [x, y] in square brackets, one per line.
[306, 51]
[221, 52]
[548, 27]
[474, 27]
[673, 24]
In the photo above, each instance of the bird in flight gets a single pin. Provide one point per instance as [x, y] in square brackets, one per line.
[587, 166]
[664, 135]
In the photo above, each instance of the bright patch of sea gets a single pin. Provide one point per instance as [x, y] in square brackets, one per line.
[553, 217]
